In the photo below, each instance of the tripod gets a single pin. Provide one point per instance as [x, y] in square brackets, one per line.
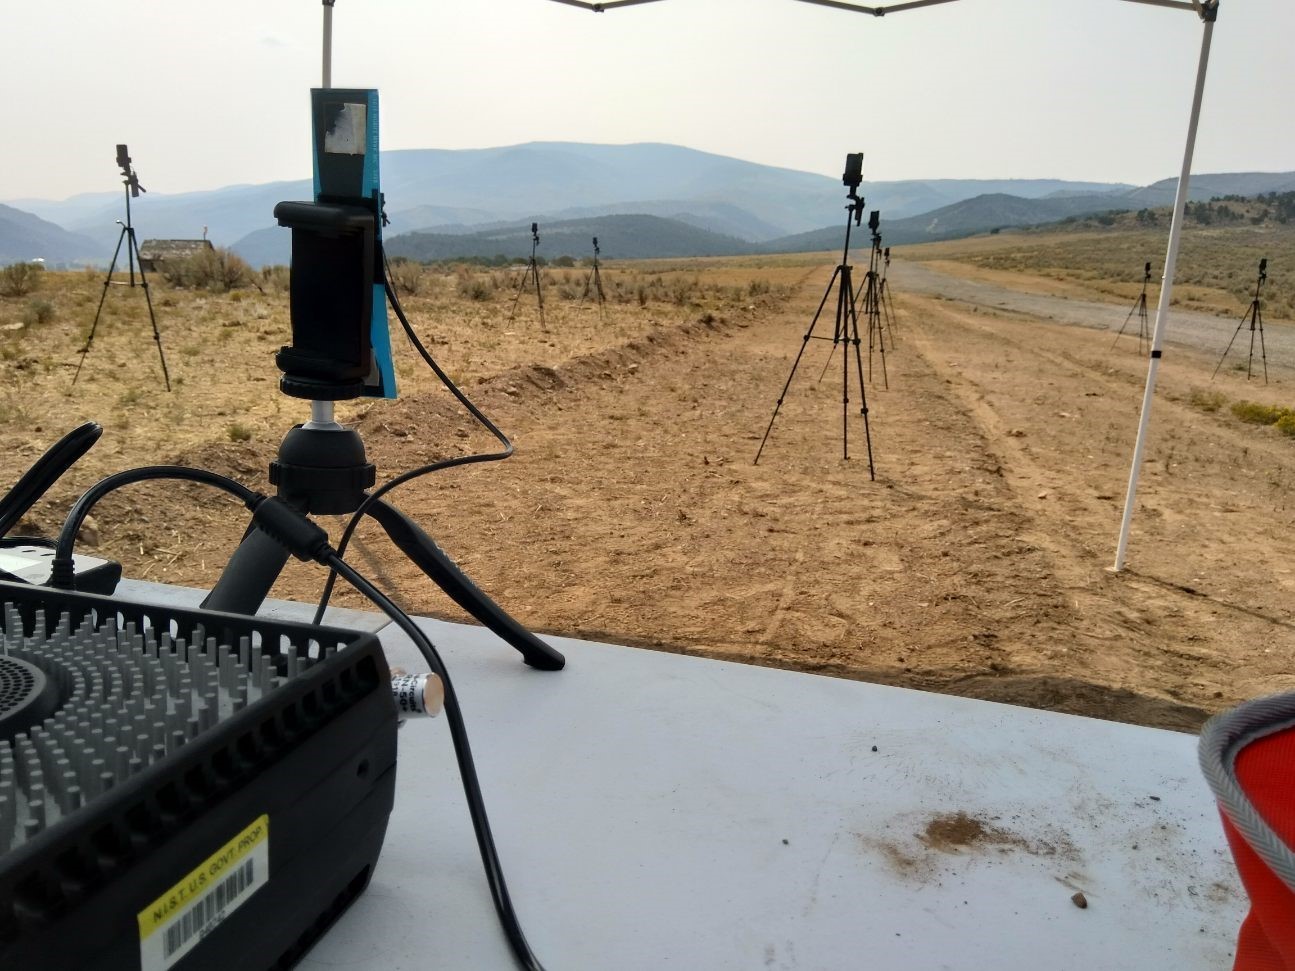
[1256, 318]
[846, 332]
[883, 295]
[321, 469]
[595, 280]
[873, 307]
[532, 269]
[1139, 308]
[127, 235]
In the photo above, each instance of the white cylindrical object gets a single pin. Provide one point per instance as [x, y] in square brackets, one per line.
[1166, 291]
[417, 695]
[328, 44]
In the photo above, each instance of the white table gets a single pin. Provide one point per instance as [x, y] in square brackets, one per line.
[659, 811]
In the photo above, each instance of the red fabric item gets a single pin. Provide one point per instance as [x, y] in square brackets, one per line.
[1266, 771]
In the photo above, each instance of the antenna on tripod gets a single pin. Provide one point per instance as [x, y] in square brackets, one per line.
[1255, 317]
[1139, 308]
[595, 280]
[127, 235]
[847, 324]
[532, 270]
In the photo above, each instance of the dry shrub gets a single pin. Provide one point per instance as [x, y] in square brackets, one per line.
[276, 278]
[217, 270]
[406, 276]
[20, 279]
[1257, 414]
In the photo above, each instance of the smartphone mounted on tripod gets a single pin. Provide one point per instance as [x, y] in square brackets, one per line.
[341, 344]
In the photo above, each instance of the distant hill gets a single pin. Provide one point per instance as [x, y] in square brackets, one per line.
[620, 237]
[966, 218]
[1000, 211]
[1205, 187]
[25, 237]
[443, 190]
[465, 192]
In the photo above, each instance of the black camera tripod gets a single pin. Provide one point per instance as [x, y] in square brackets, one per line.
[321, 468]
[1139, 308]
[846, 332]
[595, 282]
[127, 235]
[532, 270]
[1255, 317]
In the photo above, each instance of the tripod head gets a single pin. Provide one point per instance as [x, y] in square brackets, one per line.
[874, 224]
[851, 179]
[1147, 275]
[887, 255]
[596, 250]
[129, 179]
[535, 233]
[1263, 270]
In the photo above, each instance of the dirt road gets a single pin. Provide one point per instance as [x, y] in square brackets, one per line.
[1205, 332]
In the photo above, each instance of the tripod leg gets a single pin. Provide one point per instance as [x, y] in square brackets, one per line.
[804, 343]
[1262, 349]
[518, 295]
[588, 280]
[433, 561]
[843, 328]
[247, 578]
[1136, 305]
[874, 324]
[157, 335]
[863, 393]
[1228, 348]
[107, 282]
[539, 294]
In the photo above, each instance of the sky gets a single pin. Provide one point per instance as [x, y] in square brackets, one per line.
[214, 94]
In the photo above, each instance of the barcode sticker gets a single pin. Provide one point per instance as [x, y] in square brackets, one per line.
[176, 922]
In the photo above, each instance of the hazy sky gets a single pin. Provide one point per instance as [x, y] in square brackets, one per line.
[215, 93]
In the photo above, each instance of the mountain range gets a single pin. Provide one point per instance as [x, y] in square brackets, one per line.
[685, 202]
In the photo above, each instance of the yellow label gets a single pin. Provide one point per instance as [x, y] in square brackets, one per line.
[204, 877]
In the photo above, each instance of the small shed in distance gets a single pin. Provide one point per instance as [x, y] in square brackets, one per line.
[154, 252]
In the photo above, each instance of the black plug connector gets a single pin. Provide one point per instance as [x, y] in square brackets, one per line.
[290, 528]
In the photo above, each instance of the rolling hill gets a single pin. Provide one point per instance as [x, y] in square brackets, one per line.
[623, 237]
[25, 237]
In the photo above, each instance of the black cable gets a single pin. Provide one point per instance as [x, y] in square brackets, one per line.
[404, 477]
[49, 468]
[306, 540]
[463, 754]
[62, 571]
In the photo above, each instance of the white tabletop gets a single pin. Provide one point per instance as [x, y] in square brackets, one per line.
[659, 811]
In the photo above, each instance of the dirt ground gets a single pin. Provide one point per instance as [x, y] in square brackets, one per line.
[975, 563]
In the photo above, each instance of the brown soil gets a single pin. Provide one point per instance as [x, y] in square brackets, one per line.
[975, 564]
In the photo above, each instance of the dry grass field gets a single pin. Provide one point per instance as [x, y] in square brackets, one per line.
[974, 564]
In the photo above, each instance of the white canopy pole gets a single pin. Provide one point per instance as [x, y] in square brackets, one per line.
[1209, 12]
[328, 44]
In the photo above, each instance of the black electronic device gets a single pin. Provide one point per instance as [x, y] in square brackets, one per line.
[874, 220]
[1263, 269]
[853, 170]
[183, 789]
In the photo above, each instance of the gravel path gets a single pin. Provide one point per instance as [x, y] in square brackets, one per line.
[1204, 332]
